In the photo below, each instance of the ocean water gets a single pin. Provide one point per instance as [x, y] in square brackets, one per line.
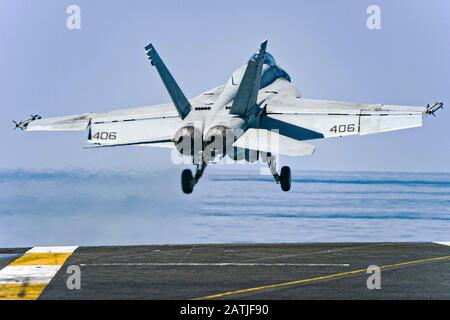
[229, 205]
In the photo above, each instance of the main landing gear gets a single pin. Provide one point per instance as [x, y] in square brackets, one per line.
[284, 178]
[188, 181]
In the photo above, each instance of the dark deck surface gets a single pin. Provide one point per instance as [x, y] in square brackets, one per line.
[255, 271]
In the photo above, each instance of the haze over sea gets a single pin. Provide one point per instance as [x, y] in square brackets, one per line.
[229, 205]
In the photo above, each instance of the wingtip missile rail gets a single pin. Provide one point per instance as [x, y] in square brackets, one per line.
[22, 125]
[431, 110]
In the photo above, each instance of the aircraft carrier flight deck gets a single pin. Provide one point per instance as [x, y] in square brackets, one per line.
[227, 271]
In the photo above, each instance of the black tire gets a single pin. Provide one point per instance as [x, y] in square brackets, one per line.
[186, 181]
[285, 179]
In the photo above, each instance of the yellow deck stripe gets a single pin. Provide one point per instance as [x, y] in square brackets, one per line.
[47, 259]
[32, 291]
[336, 275]
[21, 291]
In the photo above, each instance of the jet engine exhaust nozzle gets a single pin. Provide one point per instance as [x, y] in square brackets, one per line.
[188, 140]
[218, 140]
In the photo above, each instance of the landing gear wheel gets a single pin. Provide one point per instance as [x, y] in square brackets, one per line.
[187, 181]
[285, 178]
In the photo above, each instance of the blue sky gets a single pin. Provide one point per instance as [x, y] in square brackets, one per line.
[324, 45]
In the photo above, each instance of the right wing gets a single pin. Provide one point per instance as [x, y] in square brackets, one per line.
[306, 119]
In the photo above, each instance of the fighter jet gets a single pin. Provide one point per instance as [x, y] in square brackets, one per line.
[257, 114]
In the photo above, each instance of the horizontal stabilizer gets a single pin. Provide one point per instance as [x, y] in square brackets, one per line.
[179, 99]
[273, 142]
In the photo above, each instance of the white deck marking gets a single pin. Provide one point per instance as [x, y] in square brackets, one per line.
[69, 249]
[444, 243]
[29, 274]
[24, 280]
[222, 264]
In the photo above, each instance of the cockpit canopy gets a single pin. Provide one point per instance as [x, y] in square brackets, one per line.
[268, 59]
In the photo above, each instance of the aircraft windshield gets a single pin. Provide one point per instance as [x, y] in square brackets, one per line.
[268, 59]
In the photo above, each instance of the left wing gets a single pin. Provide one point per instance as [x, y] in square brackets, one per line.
[153, 125]
[143, 126]
[138, 126]
[65, 123]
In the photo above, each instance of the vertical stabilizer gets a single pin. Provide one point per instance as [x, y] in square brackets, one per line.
[179, 99]
[245, 101]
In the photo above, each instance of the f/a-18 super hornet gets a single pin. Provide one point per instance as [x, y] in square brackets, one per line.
[257, 113]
